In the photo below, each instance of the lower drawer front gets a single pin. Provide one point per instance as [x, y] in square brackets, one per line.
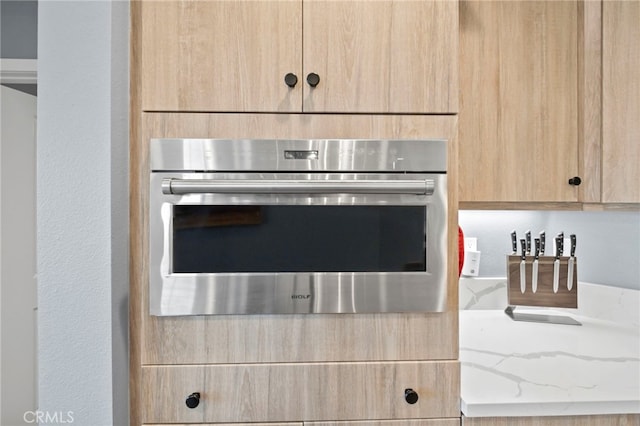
[301, 392]
[421, 422]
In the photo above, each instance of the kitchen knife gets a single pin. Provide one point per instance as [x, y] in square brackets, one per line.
[527, 237]
[571, 262]
[514, 243]
[561, 236]
[543, 238]
[556, 264]
[534, 273]
[523, 278]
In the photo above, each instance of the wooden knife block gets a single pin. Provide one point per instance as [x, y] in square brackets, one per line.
[544, 295]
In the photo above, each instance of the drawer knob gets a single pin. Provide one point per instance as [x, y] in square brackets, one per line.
[313, 79]
[575, 181]
[291, 80]
[193, 400]
[410, 396]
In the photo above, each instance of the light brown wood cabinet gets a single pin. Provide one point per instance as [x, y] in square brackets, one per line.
[371, 57]
[216, 69]
[518, 121]
[173, 356]
[301, 391]
[549, 91]
[419, 422]
[621, 102]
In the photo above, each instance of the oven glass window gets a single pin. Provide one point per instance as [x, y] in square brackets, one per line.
[227, 239]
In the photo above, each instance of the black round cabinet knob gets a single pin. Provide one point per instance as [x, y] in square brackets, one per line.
[410, 396]
[193, 400]
[291, 80]
[575, 181]
[313, 79]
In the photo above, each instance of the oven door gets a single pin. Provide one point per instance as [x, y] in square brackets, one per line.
[267, 243]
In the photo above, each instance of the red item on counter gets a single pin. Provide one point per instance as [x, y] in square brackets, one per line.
[460, 250]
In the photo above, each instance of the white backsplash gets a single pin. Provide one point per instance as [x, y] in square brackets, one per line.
[594, 300]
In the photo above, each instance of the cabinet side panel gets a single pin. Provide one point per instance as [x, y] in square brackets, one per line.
[590, 99]
[136, 266]
[621, 102]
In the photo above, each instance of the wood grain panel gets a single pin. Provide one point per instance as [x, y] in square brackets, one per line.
[220, 55]
[292, 392]
[590, 100]
[620, 207]
[520, 205]
[231, 424]
[518, 101]
[421, 422]
[544, 295]
[607, 420]
[135, 199]
[291, 338]
[381, 56]
[621, 102]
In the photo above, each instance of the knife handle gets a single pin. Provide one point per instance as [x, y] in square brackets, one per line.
[573, 245]
[561, 245]
[558, 247]
[523, 244]
[527, 237]
[514, 242]
[537, 248]
[543, 239]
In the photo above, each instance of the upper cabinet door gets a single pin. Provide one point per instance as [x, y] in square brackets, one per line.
[518, 122]
[221, 55]
[381, 56]
[621, 102]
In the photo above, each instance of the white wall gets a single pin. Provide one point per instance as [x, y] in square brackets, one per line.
[17, 255]
[82, 210]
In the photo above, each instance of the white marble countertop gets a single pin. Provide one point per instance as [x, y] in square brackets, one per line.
[512, 368]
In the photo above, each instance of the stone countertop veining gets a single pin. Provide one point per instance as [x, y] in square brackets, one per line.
[512, 368]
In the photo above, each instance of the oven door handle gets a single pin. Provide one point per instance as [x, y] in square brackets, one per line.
[213, 186]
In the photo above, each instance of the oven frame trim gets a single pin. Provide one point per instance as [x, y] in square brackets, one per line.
[179, 294]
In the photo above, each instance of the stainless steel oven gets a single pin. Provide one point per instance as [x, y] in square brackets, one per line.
[297, 226]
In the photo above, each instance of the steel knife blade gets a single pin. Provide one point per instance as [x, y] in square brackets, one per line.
[514, 243]
[523, 278]
[534, 273]
[556, 264]
[572, 255]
